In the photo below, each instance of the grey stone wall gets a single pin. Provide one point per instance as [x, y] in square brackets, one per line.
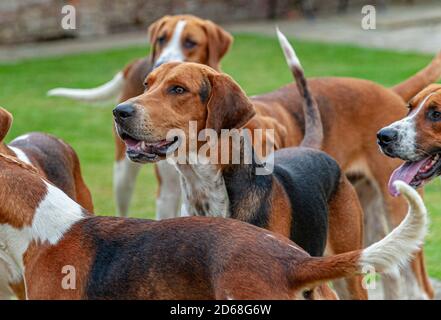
[39, 20]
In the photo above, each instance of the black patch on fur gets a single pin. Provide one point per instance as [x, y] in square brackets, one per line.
[135, 257]
[241, 181]
[204, 91]
[310, 178]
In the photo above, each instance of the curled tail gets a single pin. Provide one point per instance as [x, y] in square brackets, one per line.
[384, 256]
[410, 87]
[313, 137]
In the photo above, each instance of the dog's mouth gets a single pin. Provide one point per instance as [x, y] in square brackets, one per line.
[143, 151]
[416, 173]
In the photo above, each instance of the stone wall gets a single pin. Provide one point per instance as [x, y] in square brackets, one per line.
[40, 20]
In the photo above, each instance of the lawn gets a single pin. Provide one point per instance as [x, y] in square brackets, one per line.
[256, 62]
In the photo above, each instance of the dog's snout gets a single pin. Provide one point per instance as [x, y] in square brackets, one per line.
[124, 111]
[387, 136]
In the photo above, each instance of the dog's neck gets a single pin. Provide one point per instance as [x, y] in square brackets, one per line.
[53, 217]
[204, 190]
[227, 190]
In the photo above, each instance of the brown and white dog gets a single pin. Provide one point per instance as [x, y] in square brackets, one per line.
[306, 198]
[416, 139]
[46, 237]
[172, 38]
[352, 111]
[57, 162]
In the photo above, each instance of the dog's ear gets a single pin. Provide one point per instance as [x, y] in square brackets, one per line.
[228, 106]
[5, 123]
[152, 34]
[219, 41]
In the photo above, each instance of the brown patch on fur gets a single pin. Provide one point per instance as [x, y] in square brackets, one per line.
[280, 218]
[12, 203]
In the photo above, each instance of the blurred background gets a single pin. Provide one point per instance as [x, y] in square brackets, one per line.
[38, 54]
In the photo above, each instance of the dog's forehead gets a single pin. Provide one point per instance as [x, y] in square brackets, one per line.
[185, 73]
[193, 25]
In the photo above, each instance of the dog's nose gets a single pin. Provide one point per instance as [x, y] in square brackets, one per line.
[124, 111]
[387, 136]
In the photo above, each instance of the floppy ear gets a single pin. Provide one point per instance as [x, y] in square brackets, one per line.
[219, 41]
[5, 123]
[152, 34]
[228, 106]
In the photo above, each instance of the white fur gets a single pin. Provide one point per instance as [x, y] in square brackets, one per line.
[173, 50]
[124, 178]
[399, 245]
[20, 154]
[202, 185]
[53, 217]
[20, 138]
[169, 198]
[288, 50]
[104, 92]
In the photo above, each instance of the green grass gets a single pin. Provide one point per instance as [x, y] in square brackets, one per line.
[256, 62]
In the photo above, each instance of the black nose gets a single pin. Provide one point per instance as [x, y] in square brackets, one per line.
[387, 136]
[124, 111]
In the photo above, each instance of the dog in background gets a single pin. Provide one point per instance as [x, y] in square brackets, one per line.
[56, 161]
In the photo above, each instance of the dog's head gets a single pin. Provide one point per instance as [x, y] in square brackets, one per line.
[177, 94]
[416, 139]
[188, 38]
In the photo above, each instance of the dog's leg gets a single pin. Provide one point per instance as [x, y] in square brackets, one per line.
[345, 210]
[169, 193]
[124, 178]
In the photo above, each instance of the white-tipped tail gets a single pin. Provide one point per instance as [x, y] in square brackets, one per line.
[399, 246]
[288, 50]
[105, 92]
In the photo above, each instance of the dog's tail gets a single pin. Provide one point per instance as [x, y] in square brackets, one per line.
[102, 93]
[410, 87]
[383, 256]
[313, 137]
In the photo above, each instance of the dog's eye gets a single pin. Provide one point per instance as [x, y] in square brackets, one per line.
[177, 90]
[307, 294]
[189, 44]
[434, 115]
[161, 39]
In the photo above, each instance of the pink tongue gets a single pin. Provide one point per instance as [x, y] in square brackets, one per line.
[406, 172]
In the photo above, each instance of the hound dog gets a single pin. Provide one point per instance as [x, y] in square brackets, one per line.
[57, 162]
[172, 38]
[353, 111]
[415, 139]
[43, 231]
[294, 200]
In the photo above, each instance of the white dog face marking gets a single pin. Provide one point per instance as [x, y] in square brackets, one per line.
[405, 144]
[173, 51]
